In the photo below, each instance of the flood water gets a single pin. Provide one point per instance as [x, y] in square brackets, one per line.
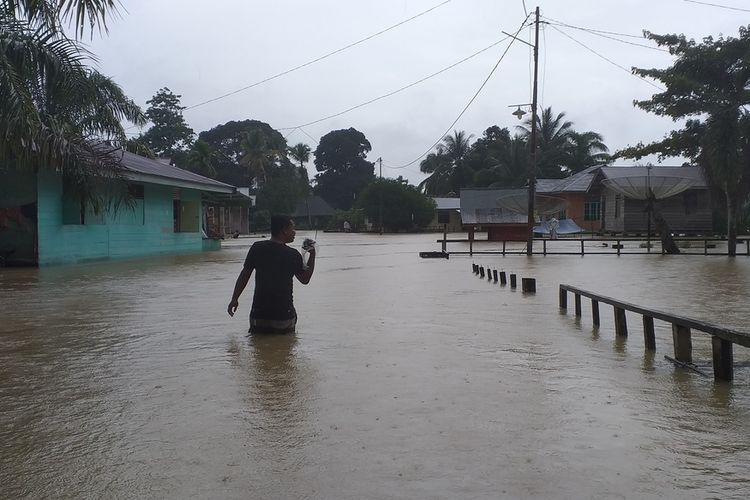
[408, 378]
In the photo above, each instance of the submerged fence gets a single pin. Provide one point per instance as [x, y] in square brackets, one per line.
[722, 339]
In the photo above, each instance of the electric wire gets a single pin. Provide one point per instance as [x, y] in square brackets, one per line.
[471, 101]
[606, 58]
[318, 59]
[640, 37]
[525, 10]
[718, 5]
[603, 35]
[389, 94]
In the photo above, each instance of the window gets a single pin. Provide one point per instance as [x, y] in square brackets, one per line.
[592, 210]
[690, 201]
[618, 199]
[185, 216]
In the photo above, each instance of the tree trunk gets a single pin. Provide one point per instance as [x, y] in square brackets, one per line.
[667, 242]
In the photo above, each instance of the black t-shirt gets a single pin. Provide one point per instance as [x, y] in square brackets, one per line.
[275, 264]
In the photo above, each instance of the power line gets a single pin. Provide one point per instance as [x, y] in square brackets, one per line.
[389, 94]
[606, 58]
[471, 101]
[525, 10]
[308, 63]
[718, 5]
[640, 37]
[601, 34]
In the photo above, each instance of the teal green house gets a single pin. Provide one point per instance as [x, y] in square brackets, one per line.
[41, 224]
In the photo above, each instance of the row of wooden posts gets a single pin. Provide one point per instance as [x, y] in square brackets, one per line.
[528, 285]
[722, 339]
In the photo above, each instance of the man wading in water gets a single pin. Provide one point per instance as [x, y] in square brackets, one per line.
[275, 264]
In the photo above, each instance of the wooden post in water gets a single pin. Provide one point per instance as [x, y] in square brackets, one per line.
[582, 247]
[595, 311]
[494, 274]
[683, 343]
[649, 338]
[722, 354]
[544, 247]
[503, 278]
[481, 271]
[563, 298]
[577, 299]
[513, 281]
[503, 247]
[618, 247]
[528, 285]
[621, 323]
[489, 274]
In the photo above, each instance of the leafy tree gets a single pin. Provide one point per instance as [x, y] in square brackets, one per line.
[344, 170]
[286, 186]
[354, 216]
[554, 135]
[56, 111]
[498, 159]
[226, 140]
[169, 134]
[447, 167]
[403, 206]
[261, 153]
[709, 84]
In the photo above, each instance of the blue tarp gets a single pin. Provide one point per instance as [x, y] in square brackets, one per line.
[567, 226]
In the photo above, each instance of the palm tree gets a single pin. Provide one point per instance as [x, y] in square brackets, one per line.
[586, 149]
[300, 152]
[202, 159]
[447, 166]
[54, 110]
[554, 136]
[259, 154]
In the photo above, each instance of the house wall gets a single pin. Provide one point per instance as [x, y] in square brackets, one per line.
[507, 232]
[147, 229]
[454, 221]
[697, 218]
[612, 224]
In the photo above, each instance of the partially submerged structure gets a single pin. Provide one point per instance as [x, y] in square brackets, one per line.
[313, 213]
[43, 223]
[447, 214]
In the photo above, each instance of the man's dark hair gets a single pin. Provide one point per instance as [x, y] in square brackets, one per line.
[279, 223]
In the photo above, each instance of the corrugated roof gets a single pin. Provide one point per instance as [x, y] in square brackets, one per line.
[163, 171]
[318, 207]
[577, 183]
[479, 206]
[445, 203]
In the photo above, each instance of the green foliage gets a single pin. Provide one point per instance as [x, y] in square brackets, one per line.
[498, 160]
[300, 152]
[55, 111]
[284, 189]
[227, 139]
[261, 152]
[354, 216]
[709, 83]
[202, 159]
[261, 220]
[169, 134]
[403, 206]
[344, 171]
[446, 166]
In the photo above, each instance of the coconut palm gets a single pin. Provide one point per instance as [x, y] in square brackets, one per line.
[554, 136]
[259, 154]
[54, 110]
[300, 152]
[202, 159]
[447, 166]
[586, 149]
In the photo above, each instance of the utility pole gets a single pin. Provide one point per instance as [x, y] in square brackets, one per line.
[532, 164]
[380, 210]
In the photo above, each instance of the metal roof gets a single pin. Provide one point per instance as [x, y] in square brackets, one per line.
[446, 203]
[317, 206]
[144, 169]
[693, 173]
[479, 206]
[577, 183]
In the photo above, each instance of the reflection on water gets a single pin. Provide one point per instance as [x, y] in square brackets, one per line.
[407, 378]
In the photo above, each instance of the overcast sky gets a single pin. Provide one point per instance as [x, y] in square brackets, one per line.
[202, 50]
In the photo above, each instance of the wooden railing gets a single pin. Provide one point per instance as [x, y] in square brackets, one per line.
[722, 339]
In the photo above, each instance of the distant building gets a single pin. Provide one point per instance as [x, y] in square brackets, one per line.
[480, 211]
[447, 215]
[43, 223]
[312, 213]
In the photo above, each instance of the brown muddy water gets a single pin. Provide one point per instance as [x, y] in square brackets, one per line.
[407, 379]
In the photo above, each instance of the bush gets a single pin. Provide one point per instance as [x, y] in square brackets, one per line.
[261, 221]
